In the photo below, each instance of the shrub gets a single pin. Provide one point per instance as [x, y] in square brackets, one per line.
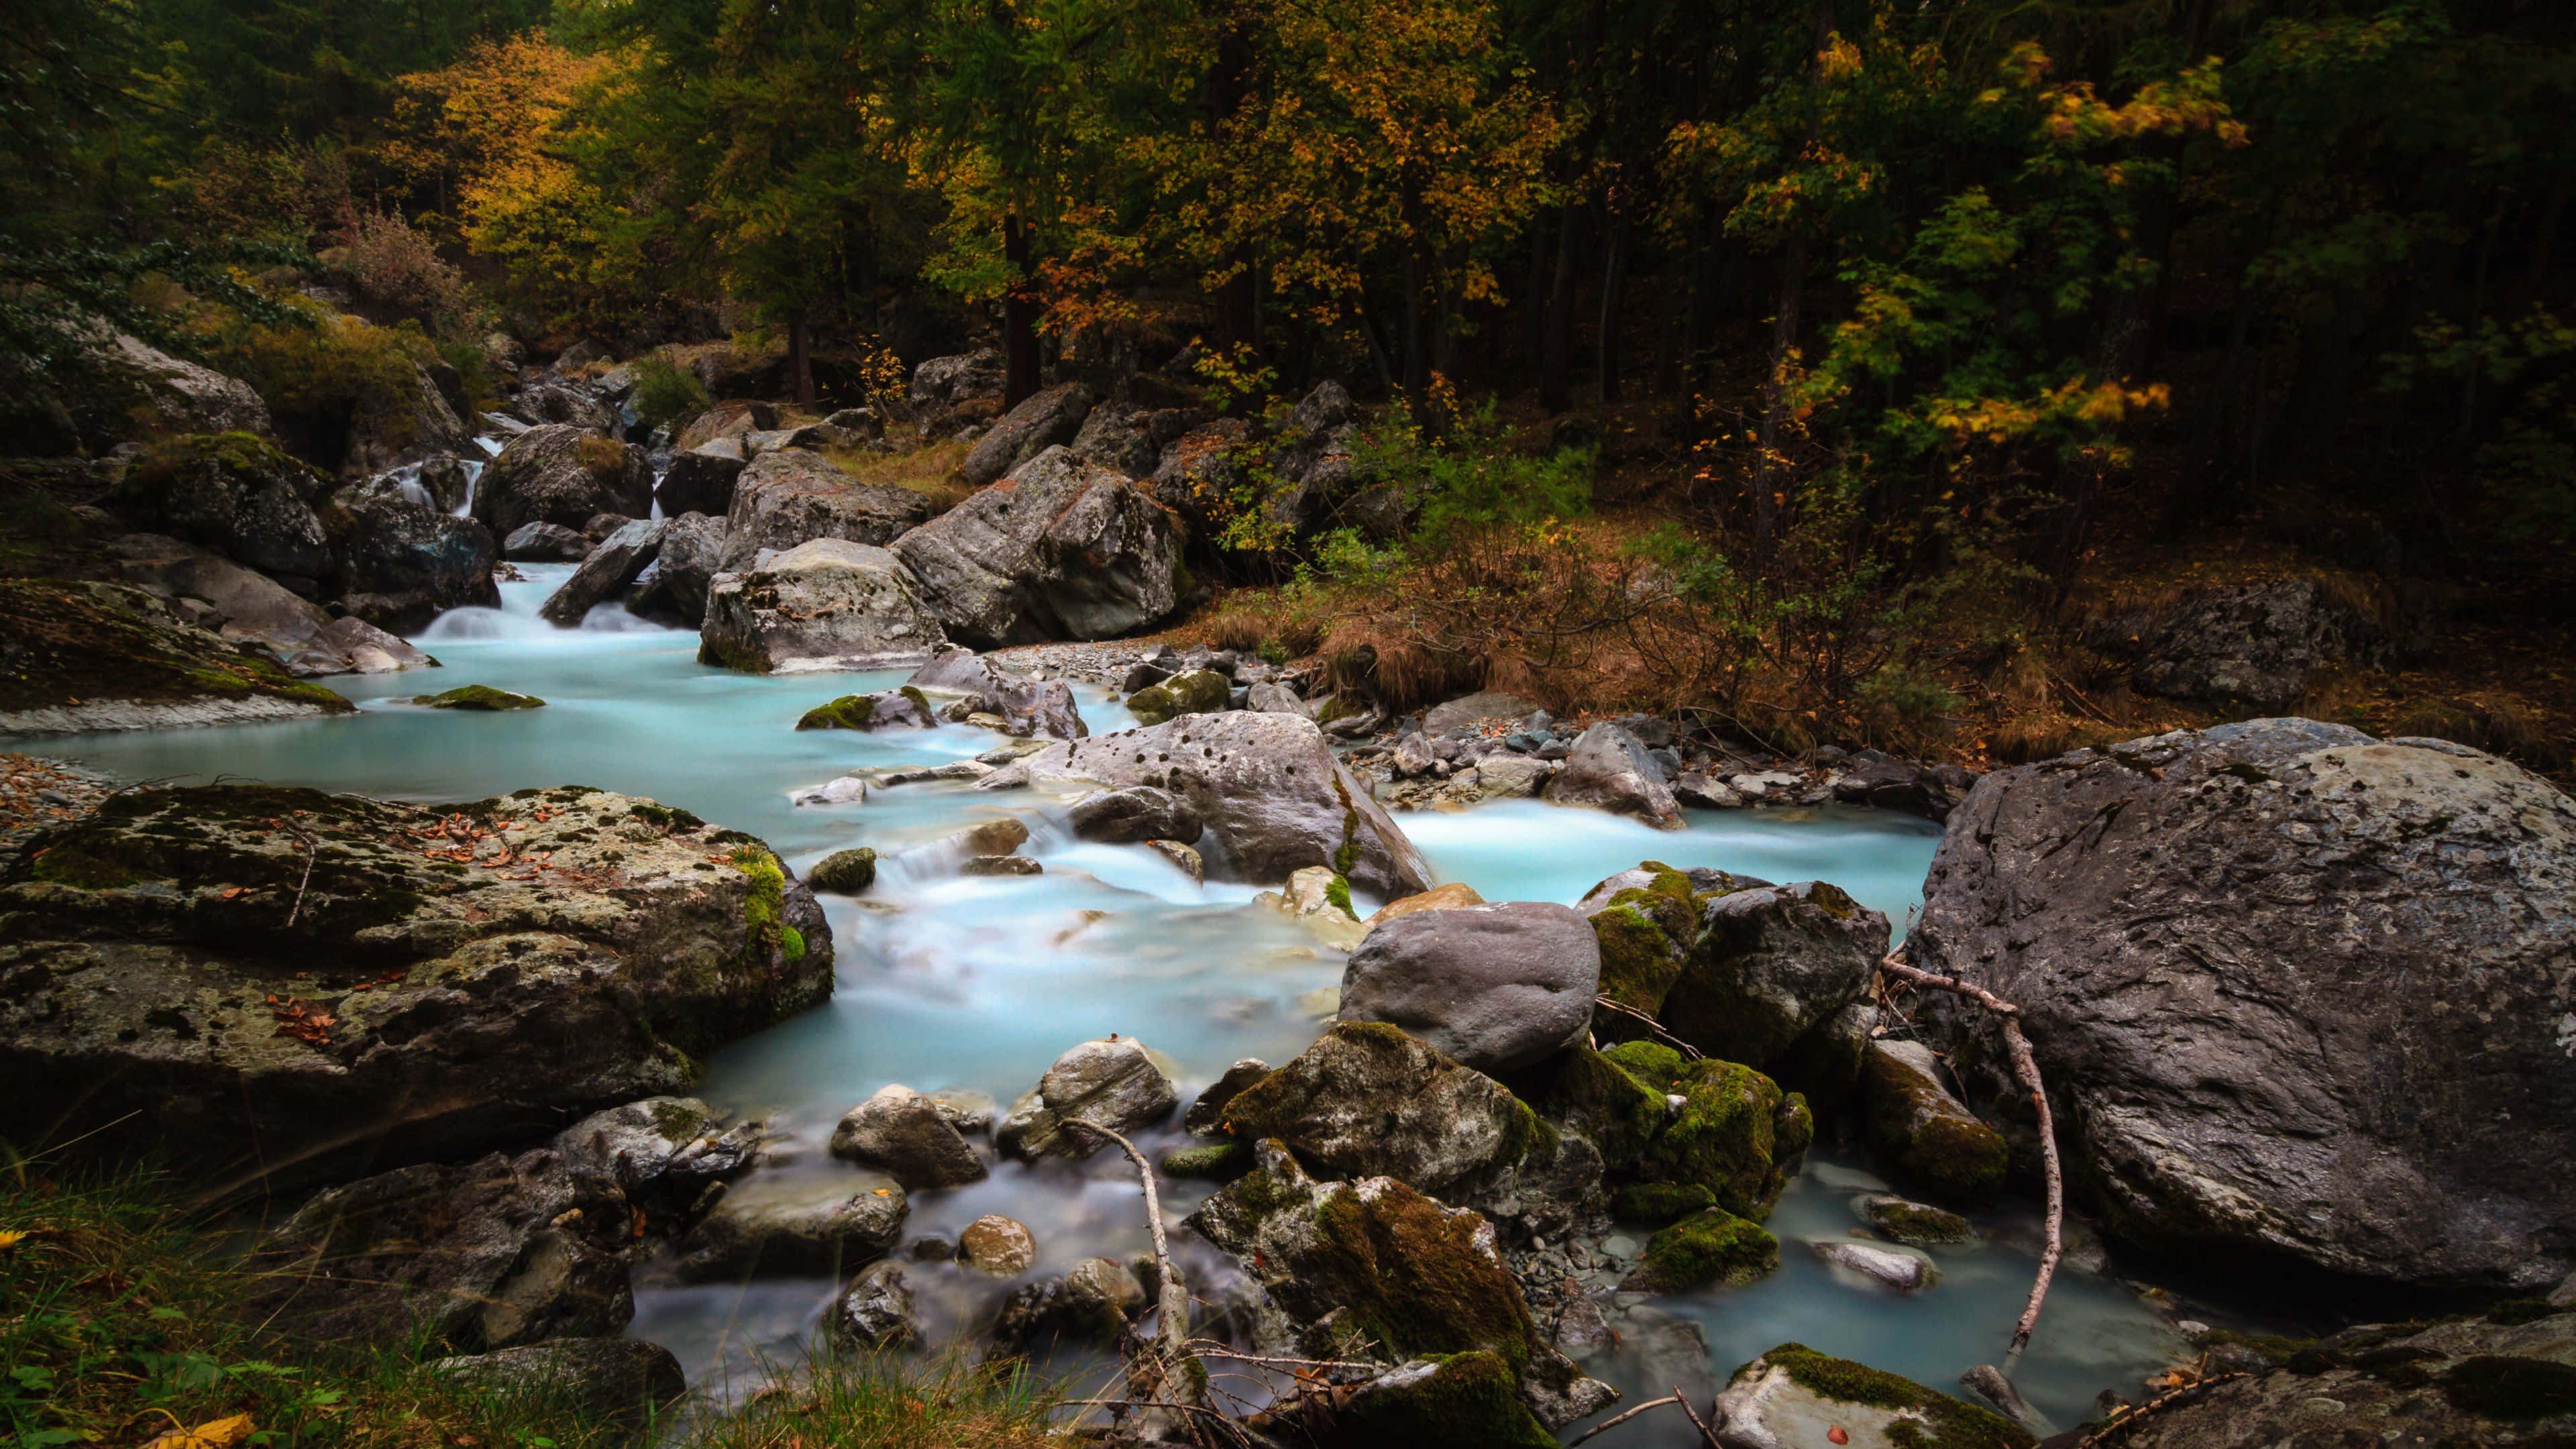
[397, 269]
[667, 394]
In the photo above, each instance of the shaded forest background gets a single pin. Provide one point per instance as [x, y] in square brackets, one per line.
[1843, 370]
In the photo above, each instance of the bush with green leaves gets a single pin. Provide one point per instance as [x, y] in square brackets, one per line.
[667, 394]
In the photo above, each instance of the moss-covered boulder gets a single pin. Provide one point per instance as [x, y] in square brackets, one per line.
[1923, 1134]
[1371, 1269]
[1584, 1092]
[1448, 1401]
[94, 656]
[1737, 1134]
[1659, 1203]
[844, 872]
[241, 974]
[1905, 1221]
[1215, 1161]
[479, 699]
[904, 708]
[1794, 1395]
[1194, 691]
[1707, 1248]
[1367, 1100]
[560, 474]
[235, 493]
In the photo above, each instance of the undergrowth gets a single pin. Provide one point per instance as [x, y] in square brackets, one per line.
[862, 1401]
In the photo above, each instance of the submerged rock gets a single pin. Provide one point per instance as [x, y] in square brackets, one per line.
[1495, 986]
[1923, 1133]
[1707, 1248]
[478, 699]
[1111, 1083]
[906, 1134]
[828, 604]
[1793, 1395]
[997, 1245]
[1270, 794]
[469, 975]
[2296, 992]
[844, 872]
[780, 1225]
[1059, 550]
[1913, 1222]
[1894, 1268]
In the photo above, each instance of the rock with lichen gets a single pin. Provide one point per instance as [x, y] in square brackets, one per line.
[1113, 1083]
[901, 708]
[1732, 1132]
[215, 970]
[789, 1225]
[1923, 1133]
[1496, 986]
[1793, 1395]
[1192, 691]
[100, 656]
[1707, 1248]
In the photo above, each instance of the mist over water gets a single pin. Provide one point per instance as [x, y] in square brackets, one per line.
[979, 983]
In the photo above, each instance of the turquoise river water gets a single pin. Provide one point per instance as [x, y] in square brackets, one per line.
[949, 982]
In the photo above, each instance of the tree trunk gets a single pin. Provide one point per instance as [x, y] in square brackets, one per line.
[1769, 485]
[1534, 305]
[1556, 363]
[1614, 267]
[1019, 318]
[800, 360]
[1417, 364]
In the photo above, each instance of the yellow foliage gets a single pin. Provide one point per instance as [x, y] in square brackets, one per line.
[213, 1434]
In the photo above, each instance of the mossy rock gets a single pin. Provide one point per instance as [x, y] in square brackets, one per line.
[1217, 1162]
[1660, 1203]
[1650, 1062]
[86, 647]
[1794, 1385]
[844, 872]
[1582, 1091]
[1645, 935]
[1923, 1134]
[1912, 1222]
[1195, 691]
[904, 708]
[1770, 964]
[1447, 1401]
[1707, 1248]
[1737, 1135]
[849, 712]
[479, 697]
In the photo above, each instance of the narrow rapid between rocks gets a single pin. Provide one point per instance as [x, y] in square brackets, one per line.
[953, 983]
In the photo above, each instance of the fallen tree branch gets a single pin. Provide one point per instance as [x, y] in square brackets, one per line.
[2026, 1072]
[1689, 1052]
[1606, 1425]
[1171, 1300]
[1704, 1431]
[2154, 1406]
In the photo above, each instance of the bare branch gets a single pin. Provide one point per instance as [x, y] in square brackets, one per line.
[1606, 1425]
[1689, 1052]
[1704, 1431]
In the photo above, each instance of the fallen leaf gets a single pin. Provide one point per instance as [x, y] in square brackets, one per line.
[1837, 1435]
[213, 1434]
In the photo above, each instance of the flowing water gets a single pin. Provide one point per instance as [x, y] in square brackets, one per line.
[978, 984]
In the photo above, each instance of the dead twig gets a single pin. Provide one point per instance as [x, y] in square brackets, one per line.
[1172, 1299]
[2026, 1072]
[1606, 1425]
[1704, 1431]
[312, 845]
[1689, 1052]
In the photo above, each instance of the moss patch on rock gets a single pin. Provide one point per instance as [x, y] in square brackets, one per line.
[66, 643]
[1219, 1162]
[1585, 1092]
[1735, 1134]
[1914, 1222]
[1195, 691]
[844, 872]
[849, 712]
[1448, 1401]
[1945, 1422]
[1659, 1203]
[1707, 1248]
[479, 697]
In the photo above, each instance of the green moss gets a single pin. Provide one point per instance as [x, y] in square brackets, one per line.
[1947, 1423]
[1412, 1280]
[1195, 691]
[764, 907]
[73, 865]
[479, 697]
[2516, 1389]
[1221, 1162]
[1659, 1203]
[1639, 962]
[1338, 895]
[1927, 1138]
[65, 642]
[1708, 1247]
[919, 700]
[791, 943]
[849, 712]
[1914, 1222]
[1651, 1062]
[1585, 1092]
[844, 872]
[1467, 1401]
[1725, 1138]
[665, 817]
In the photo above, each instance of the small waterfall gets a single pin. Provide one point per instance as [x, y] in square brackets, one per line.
[406, 479]
[473, 478]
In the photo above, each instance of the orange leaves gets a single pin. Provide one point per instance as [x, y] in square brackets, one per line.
[213, 1434]
[301, 1020]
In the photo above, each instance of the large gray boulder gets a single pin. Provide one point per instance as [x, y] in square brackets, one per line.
[691, 556]
[2243, 646]
[1793, 1395]
[506, 1250]
[790, 496]
[147, 394]
[1061, 549]
[607, 573]
[76, 655]
[702, 479]
[1045, 419]
[1610, 770]
[234, 493]
[1199, 473]
[401, 564]
[1315, 461]
[458, 994]
[942, 383]
[828, 604]
[1269, 794]
[1027, 708]
[1495, 986]
[1131, 439]
[904, 1133]
[246, 606]
[794, 1225]
[1112, 1083]
[562, 475]
[2297, 992]
[613, 1379]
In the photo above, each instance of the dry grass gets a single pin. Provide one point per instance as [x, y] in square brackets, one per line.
[867, 1402]
[930, 470]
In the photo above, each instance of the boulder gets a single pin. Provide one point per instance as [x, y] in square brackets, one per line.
[1132, 816]
[828, 604]
[958, 670]
[1060, 549]
[731, 418]
[610, 570]
[903, 708]
[942, 383]
[2503, 1380]
[1770, 965]
[562, 475]
[1272, 698]
[904, 1133]
[1902, 1221]
[215, 970]
[1374, 1269]
[1609, 770]
[1366, 1100]
[1903, 1271]
[1207, 1114]
[146, 394]
[1734, 1133]
[702, 479]
[1045, 419]
[1314, 461]
[100, 656]
[251, 607]
[876, 1312]
[1112, 1083]
[1194, 691]
[790, 497]
[354, 646]
[1783, 1397]
[997, 1245]
[543, 542]
[557, 402]
[844, 872]
[1199, 474]
[1496, 987]
[1452, 1401]
[1131, 439]
[1708, 1248]
[1090, 1303]
[2295, 992]
[1923, 1133]
[1476, 709]
[786, 1225]
[1269, 793]
[478, 699]
[691, 556]
[235, 493]
[400, 415]
[618, 1380]
[401, 564]
[2243, 646]
[506, 1250]
[1024, 707]
[1446, 897]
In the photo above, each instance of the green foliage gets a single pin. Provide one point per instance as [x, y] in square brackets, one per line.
[1471, 477]
[667, 394]
[1708, 1247]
